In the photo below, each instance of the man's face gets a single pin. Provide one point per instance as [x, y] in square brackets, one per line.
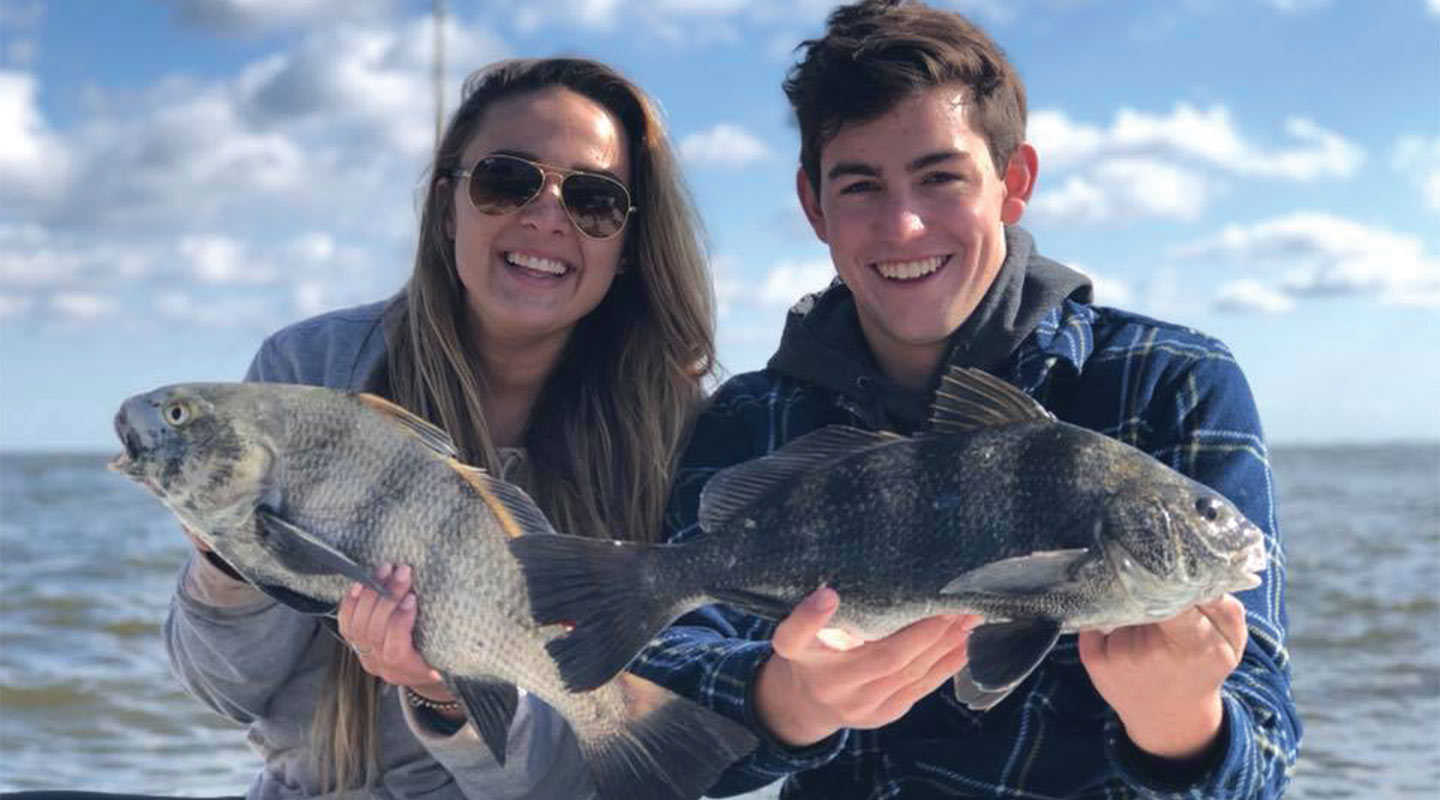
[913, 211]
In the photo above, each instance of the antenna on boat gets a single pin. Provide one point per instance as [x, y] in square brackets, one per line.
[439, 69]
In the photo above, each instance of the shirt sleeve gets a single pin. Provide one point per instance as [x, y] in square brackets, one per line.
[543, 760]
[230, 646]
[712, 655]
[1205, 424]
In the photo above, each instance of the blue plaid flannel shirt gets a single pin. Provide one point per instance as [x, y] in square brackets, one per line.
[1164, 389]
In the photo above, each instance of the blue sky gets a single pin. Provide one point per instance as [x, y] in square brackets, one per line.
[178, 178]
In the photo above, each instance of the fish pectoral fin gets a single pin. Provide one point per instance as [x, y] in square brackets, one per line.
[302, 552]
[1038, 572]
[490, 705]
[1002, 654]
[970, 399]
[972, 696]
[302, 603]
[431, 436]
[730, 491]
[765, 605]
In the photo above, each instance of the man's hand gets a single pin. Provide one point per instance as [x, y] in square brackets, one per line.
[815, 684]
[1163, 679]
[379, 629]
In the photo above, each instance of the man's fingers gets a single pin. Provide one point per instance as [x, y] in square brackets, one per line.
[950, 647]
[951, 661]
[795, 633]
[897, 650]
[1227, 615]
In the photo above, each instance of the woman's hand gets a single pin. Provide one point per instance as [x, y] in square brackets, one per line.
[817, 683]
[379, 629]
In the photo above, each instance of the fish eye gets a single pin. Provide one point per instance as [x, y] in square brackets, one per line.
[176, 413]
[1208, 508]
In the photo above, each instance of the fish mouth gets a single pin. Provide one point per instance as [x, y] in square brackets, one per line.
[1251, 558]
[126, 461]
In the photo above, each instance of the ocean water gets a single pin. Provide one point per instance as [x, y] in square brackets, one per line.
[88, 561]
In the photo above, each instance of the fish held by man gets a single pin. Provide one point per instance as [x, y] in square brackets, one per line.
[999, 509]
[304, 490]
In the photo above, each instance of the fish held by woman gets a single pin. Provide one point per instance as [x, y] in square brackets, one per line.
[999, 509]
[304, 490]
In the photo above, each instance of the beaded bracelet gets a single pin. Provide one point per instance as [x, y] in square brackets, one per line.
[417, 700]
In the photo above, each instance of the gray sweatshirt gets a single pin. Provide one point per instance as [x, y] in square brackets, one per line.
[262, 664]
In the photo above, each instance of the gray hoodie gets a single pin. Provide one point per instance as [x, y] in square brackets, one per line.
[262, 664]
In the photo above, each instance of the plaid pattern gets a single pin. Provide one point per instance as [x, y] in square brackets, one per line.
[1164, 389]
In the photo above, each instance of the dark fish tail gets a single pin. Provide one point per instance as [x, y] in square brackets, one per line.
[616, 595]
[664, 747]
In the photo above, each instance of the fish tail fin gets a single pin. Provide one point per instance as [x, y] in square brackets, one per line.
[616, 596]
[664, 747]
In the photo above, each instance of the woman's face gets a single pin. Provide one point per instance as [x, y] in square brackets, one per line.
[529, 275]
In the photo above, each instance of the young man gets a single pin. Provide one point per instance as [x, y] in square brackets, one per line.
[915, 172]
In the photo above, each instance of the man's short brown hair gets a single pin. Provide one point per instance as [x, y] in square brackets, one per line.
[876, 53]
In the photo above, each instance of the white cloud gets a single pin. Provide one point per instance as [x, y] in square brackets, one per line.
[245, 16]
[1249, 295]
[13, 305]
[1123, 190]
[1208, 137]
[1418, 158]
[82, 306]
[1318, 254]
[788, 281]
[222, 260]
[1109, 291]
[724, 145]
[1298, 6]
[1434, 6]
[32, 159]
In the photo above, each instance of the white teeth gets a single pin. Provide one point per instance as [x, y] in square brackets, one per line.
[909, 270]
[537, 263]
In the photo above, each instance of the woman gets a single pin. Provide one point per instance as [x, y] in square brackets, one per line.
[558, 325]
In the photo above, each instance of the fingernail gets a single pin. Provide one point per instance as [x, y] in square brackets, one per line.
[403, 574]
[355, 591]
[821, 600]
[385, 570]
[408, 603]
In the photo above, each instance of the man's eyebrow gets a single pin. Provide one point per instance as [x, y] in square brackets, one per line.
[529, 156]
[937, 157]
[852, 168]
[865, 170]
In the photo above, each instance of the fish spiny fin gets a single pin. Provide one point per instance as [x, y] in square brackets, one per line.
[733, 489]
[969, 399]
[517, 513]
[434, 438]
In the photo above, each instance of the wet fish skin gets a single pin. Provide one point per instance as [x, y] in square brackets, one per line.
[304, 490]
[1041, 527]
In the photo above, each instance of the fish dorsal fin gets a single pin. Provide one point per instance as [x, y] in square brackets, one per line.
[517, 513]
[733, 489]
[969, 399]
[432, 436]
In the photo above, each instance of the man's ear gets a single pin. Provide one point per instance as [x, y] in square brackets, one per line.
[810, 204]
[1020, 175]
[445, 196]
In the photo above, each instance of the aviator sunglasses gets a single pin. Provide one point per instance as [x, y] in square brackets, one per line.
[598, 205]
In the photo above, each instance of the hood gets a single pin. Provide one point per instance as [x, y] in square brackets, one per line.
[823, 342]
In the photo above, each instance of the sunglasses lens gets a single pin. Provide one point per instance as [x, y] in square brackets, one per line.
[597, 205]
[499, 185]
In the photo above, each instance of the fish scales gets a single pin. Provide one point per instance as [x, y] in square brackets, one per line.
[306, 490]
